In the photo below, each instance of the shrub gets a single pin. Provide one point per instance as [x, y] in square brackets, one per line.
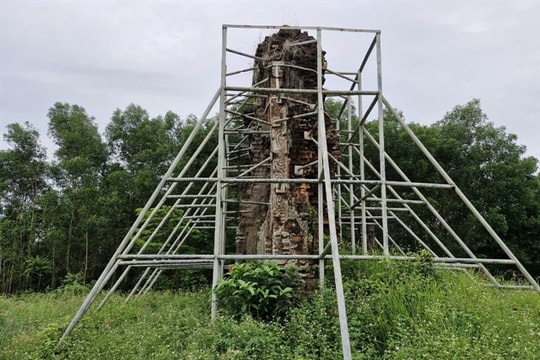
[73, 284]
[263, 290]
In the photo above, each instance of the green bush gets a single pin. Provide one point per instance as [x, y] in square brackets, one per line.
[263, 290]
[73, 284]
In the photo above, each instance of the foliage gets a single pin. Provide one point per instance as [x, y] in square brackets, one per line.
[396, 310]
[166, 218]
[263, 290]
[37, 268]
[68, 213]
[491, 169]
[487, 164]
[23, 180]
[72, 284]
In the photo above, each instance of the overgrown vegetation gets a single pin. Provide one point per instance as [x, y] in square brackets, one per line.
[263, 290]
[396, 310]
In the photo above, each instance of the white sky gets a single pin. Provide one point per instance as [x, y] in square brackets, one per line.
[165, 55]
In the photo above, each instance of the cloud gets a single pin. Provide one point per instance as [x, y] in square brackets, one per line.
[166, 55]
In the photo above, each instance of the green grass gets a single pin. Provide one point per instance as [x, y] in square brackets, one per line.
[395, 311]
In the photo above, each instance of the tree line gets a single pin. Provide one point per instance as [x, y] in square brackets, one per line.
[65, 215]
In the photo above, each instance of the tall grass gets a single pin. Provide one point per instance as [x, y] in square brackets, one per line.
[396, 310]
[409, 310]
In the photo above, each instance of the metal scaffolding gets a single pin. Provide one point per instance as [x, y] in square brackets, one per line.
[365, 209]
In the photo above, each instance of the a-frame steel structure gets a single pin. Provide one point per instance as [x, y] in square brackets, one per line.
[363, 206]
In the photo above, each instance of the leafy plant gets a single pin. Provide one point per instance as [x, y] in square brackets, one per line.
[264, 290]
[37, 268]
[73, 284]
[49, 340]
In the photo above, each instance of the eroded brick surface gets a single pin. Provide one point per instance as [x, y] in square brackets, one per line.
[282, 218]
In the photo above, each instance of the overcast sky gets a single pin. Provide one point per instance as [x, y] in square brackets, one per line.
[165, 55]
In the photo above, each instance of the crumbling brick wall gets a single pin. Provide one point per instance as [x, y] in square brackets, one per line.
[281, 218]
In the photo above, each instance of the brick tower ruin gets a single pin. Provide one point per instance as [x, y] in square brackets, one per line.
[281, 218]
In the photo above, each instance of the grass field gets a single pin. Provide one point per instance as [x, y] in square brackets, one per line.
[395, 311]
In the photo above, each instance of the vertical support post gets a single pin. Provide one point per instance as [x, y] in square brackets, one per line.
[362, 167]
[338, 173]
[321, 128]
[351, 186]
[219, 222]
[320, 220]
[380, 106]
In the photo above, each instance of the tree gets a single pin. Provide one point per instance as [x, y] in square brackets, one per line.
[489, 167]
[82, 158]
[23, 178]
[142, 147]
[68, 216]
[492, 170]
